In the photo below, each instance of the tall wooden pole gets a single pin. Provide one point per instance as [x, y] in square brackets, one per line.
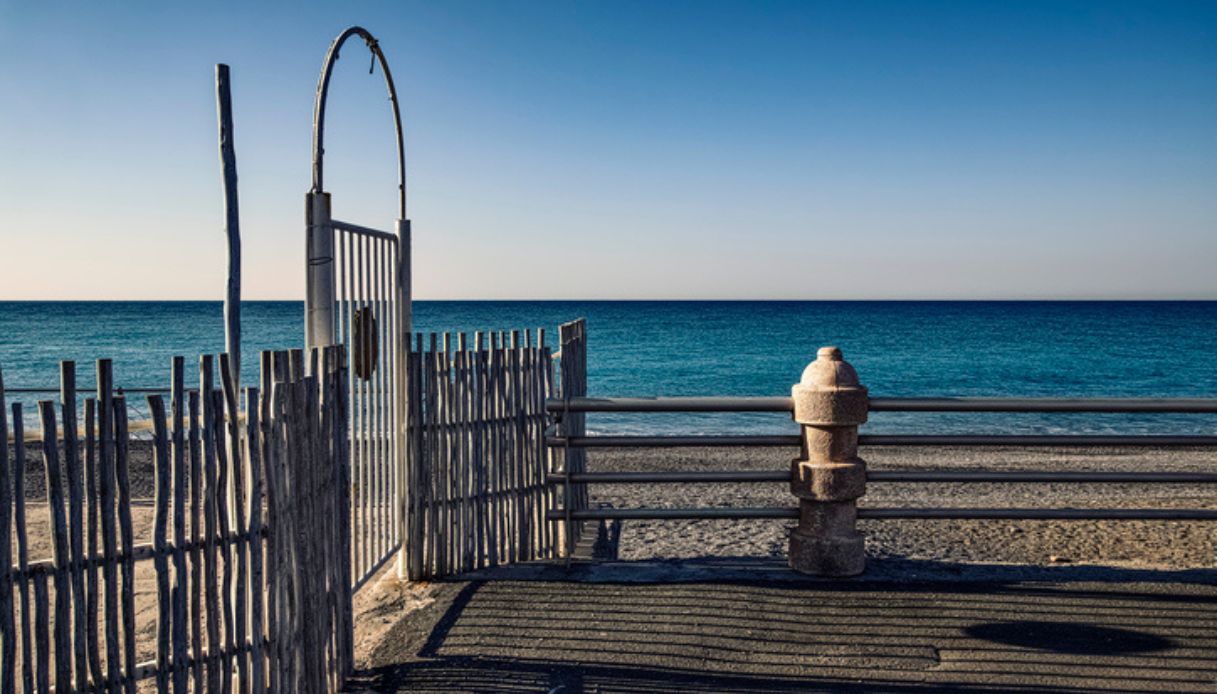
[232, 225]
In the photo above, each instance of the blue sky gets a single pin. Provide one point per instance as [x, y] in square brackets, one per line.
[625, 150]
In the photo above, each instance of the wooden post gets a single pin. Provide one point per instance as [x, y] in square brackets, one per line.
[573, 365]
[232, 225]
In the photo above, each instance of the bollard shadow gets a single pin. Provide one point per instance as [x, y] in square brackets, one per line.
[668, 631]
[1065, 637]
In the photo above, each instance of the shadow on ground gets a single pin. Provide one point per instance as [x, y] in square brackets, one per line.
[733, 625]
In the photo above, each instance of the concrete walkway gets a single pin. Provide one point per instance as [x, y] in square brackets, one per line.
[754, 626]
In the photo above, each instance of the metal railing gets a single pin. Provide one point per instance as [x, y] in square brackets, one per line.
[560, 408]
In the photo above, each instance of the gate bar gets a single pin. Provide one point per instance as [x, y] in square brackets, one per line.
[366, 231]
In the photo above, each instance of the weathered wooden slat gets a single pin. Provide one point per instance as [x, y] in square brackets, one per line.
[266, 374]
[59, 545]
[76, 549]
[471, 463]
[23, 557]
[498, 506]
[224, 544]
[197, 507]
[314, 540]
[181, 587]
[342, 451]
[416, 443]
[42, 639]
[123, 484]
[160, 523]
[253, 457]
[8, 627]
[457, 459]
[106, 453]
[271, 425]
[91, 531]
[479, 446]
[299, 454]
[445, 460]
[283, 532]
[517, 513]
[239, 594]
[211, 497]
[288, 600]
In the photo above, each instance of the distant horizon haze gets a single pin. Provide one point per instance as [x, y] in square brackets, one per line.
[784, 151]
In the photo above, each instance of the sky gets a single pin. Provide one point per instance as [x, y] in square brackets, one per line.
[624, 150]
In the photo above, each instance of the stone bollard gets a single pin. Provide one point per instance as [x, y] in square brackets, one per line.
[829, 403]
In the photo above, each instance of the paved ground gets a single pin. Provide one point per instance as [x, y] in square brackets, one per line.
[751, 625]
[966, 606]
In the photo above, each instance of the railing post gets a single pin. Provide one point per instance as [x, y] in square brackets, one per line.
[829, 477]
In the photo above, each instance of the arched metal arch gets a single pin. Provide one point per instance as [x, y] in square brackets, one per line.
[323, 87]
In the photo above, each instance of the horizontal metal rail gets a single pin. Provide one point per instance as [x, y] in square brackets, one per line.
[669, 441]
[1062, 476]
[1035, 440]
[779, 512]
[1037, 513]
[960, 476]
[366, 231]
[1094, 405]
[674, 513]
[672, 404]
[785, 404]
[880, 440]
[665, 477]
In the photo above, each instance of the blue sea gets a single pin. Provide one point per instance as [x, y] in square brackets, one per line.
[640, 348]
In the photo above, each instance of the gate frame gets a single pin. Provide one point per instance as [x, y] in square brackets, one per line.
[320, 293]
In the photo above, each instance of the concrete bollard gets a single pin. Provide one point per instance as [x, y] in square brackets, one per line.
[829, 477]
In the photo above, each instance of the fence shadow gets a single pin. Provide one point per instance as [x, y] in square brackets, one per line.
[764, 636]
[597, 563]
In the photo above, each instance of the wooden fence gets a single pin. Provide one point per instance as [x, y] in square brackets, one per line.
[249, 551]
[476, 458]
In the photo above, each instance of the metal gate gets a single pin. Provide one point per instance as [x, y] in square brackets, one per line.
[358, 295]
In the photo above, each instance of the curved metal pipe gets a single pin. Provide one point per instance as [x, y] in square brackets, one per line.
[323, 88]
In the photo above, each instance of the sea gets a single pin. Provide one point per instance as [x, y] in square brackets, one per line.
[651, 348]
